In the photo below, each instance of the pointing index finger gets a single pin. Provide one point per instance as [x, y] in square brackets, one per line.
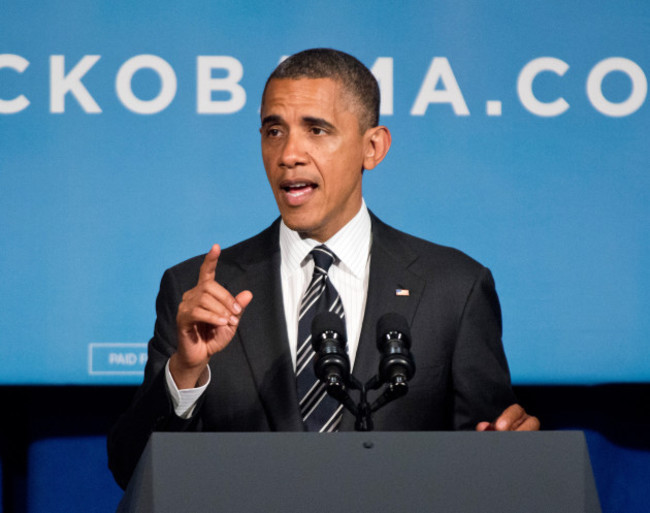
[209, 265]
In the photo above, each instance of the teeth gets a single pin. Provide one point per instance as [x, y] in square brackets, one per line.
[300, 185]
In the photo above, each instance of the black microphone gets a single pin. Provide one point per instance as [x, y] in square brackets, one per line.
[394, 342]
[328, 339]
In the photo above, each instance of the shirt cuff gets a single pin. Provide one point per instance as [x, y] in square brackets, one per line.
[184, 401]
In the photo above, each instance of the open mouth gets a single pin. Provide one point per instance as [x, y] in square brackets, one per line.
[298, 188]
[297, 193]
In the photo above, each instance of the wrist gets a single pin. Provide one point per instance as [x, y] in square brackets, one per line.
[187, 376]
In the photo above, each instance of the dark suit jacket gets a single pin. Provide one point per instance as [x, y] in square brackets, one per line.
[453, 311]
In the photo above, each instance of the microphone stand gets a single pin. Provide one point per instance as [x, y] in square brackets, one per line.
[363, 410]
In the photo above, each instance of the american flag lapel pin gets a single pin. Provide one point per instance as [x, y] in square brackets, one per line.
[402, 292]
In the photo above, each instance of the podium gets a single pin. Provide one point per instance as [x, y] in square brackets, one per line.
[374, 472]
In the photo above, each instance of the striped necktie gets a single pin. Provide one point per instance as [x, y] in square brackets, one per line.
[319, 411]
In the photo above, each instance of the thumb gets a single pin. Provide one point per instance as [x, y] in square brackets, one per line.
[244, 298]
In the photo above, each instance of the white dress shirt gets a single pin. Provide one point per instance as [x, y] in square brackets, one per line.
[349, 274]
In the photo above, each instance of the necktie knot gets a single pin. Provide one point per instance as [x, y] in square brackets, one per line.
[323, 258]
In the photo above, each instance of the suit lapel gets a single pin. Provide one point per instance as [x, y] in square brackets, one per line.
[263, 333]
[389, 271]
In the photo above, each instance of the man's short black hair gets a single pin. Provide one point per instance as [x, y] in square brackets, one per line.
[356, 79]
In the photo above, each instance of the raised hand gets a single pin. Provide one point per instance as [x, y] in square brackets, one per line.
[206, 321]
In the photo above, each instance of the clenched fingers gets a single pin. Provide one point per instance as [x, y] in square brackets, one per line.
[212, 298]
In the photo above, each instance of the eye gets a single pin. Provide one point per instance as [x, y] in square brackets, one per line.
[316, 130]
[273, 132]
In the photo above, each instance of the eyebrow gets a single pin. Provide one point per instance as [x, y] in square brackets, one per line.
[271, 120]
[311, 121]
[306, 120]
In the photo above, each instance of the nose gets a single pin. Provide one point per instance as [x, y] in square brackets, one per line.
[293, 152]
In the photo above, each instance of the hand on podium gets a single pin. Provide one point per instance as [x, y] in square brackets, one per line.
[514, 418]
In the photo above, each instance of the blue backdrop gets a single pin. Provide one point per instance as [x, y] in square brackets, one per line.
[129, 142]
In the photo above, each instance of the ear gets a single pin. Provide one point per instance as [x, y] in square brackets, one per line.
[376, 145]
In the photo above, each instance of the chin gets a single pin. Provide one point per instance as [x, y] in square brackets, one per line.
[299, 225]
[301, 228]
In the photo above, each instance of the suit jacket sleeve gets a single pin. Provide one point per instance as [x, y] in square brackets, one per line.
[481, 379]
[151, 409]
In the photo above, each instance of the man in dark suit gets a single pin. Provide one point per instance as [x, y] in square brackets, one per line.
[223, 355]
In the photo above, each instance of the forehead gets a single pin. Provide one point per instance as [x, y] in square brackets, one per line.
[306, 96]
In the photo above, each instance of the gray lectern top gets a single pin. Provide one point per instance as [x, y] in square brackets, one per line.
[375, 472]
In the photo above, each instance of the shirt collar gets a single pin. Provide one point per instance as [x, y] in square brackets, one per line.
[351, 245]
